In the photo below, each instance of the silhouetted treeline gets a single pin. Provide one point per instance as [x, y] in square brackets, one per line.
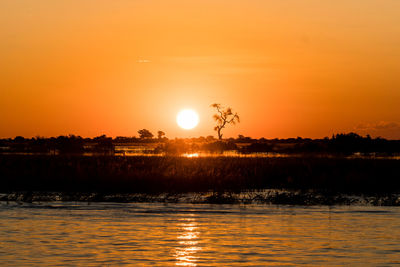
[58, 145]
[345, 144]
[338, 144]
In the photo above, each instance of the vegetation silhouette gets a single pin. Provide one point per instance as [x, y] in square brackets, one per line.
[339, 144]
[77, 173]
[160, 135]
[62, 164]
[104, 145]
[224, 117]
[145, 134]
[68, 145]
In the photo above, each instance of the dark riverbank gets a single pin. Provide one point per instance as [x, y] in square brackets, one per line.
[76, 177]
[277, 197]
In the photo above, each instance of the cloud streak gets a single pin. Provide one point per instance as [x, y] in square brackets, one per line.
[386, 129]
[382, 125]
[142, 60]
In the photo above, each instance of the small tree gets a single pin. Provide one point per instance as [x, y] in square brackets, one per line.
[160, 134]
[223, 117]
[145, 134]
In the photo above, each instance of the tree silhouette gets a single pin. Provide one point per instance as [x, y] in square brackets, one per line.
[70, 144]
[160, 134]
[223, 117]
[104, 145]
[145, 134]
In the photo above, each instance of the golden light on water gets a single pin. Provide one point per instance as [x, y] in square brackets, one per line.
[185, 254]
[187, 119]
[191, 155]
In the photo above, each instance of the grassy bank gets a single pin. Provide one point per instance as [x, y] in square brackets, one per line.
[269, 196]
[109, 174]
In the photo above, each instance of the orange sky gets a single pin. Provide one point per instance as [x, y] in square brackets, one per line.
[289, 68]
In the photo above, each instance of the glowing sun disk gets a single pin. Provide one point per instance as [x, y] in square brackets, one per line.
[187, 119]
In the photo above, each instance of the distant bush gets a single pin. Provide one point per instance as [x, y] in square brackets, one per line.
[218, 146]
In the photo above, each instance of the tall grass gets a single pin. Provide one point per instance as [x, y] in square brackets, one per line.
[178, 175]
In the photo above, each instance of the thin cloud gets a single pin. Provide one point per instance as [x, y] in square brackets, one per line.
[385, 129]
[143, 60]
[382, 125]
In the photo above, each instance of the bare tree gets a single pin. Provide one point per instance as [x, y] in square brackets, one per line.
[224, 117]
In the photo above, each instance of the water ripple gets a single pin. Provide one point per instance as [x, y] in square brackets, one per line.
[155, 234]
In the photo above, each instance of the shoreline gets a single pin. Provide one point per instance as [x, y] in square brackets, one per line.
[273, 197]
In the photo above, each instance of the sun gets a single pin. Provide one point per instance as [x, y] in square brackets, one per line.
[187, 119]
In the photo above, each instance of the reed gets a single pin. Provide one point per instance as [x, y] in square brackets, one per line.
[179, 175]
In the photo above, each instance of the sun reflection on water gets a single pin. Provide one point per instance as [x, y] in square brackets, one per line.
[185, 253]
[191, 155]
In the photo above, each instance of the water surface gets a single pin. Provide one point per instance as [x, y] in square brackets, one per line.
[153, 234]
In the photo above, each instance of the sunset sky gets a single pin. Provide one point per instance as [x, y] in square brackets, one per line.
[289, 68]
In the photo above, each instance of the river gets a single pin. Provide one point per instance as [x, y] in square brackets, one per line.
[154, 234]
